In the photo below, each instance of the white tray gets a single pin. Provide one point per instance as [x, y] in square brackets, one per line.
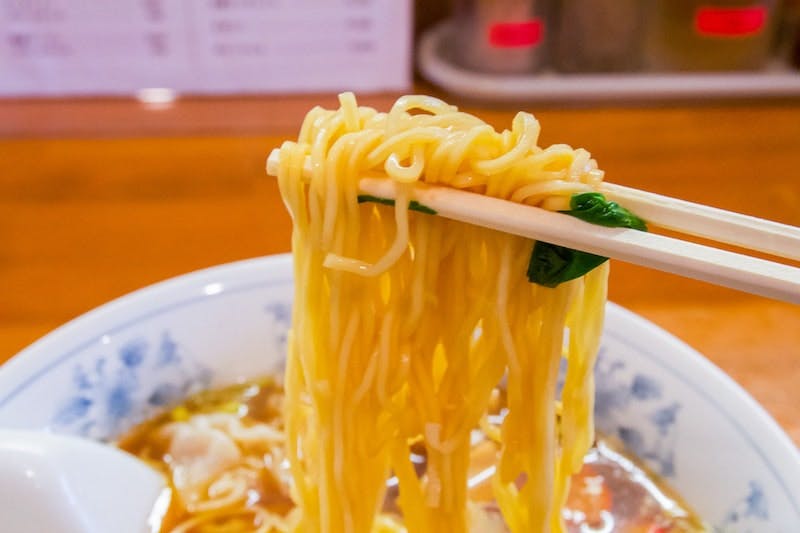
[775, 81]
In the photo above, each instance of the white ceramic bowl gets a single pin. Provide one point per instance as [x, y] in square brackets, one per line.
[107, 370]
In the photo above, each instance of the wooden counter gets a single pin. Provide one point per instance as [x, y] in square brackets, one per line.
[99, 199]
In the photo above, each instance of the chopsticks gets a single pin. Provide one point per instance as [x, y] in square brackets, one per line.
[720, 267]
[704, 221]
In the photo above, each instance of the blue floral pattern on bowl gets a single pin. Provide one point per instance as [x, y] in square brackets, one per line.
[749, 514]
[116, 390]
[623, 395]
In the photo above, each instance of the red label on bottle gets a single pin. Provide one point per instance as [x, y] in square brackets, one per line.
[730, 21]
[516, 34]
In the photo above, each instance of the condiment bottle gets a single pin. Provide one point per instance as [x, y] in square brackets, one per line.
[710, 35]
[500, 36]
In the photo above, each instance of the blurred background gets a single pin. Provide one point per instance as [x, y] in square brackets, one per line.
[133, 134]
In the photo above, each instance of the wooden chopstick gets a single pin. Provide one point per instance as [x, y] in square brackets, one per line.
[720, 267]
[700, 220]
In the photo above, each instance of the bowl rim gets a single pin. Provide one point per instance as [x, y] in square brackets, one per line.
[706, 378]
[757, 427]
[38, 358]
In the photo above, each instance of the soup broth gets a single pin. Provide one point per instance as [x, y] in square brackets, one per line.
[223, 454]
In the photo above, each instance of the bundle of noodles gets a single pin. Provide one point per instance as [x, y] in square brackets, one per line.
[405, 321]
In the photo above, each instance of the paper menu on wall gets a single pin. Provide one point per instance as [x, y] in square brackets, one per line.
[95, 47]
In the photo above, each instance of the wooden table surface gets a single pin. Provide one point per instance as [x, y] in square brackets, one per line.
[100, 198]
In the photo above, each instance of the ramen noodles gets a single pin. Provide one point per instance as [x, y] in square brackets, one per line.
[404, 322]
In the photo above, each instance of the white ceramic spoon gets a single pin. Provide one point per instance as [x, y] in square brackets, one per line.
[55, 483]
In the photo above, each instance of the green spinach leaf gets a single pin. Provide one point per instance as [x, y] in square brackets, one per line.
[413, 205]
[551, 265]
[594, 208]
